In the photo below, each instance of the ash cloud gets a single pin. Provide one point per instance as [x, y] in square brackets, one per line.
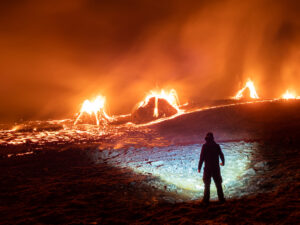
[56, 54]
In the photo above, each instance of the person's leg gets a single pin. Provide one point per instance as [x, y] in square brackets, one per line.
[218, 182]
[220, 192]
[206, 180]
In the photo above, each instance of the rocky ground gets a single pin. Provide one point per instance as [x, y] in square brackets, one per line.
[63, 184]
[67, 187]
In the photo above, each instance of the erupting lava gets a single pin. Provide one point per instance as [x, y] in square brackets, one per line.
[95, 107]
[288, 95]
[156, 105]
[171, 97]
[251, 88]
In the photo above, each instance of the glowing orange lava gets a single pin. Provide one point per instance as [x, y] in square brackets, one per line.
[170, 96]
[95, 107]
[287, 95]
[251, 88]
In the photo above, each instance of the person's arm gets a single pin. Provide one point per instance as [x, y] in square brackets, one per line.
[221, 156]
[201, 160]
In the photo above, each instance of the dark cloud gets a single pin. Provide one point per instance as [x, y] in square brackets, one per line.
[55, 54]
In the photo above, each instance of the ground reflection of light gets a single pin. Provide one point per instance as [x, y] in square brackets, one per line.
[176, 167]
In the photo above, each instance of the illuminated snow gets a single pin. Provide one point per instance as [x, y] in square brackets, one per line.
[175, 168]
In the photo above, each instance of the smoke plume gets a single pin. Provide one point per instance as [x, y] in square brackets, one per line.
[55, 54]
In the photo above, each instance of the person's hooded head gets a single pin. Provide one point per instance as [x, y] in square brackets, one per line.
[209, 137]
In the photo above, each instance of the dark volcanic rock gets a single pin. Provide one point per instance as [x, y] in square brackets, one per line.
[145, 113]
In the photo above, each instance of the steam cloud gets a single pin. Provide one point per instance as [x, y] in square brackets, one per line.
[56, 54]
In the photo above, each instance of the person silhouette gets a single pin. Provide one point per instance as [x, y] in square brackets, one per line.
[210, 154]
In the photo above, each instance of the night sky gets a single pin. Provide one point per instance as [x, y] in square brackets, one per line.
[54, 54]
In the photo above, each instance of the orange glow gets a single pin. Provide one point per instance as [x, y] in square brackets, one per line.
[170, 96]
[16, 128]
[288, 95]
[95, 107]
[251, 88]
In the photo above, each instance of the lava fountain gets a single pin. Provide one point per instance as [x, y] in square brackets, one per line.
[287, 95]
[94, 109]
[171, 97]
[156, 105]
[251, 88]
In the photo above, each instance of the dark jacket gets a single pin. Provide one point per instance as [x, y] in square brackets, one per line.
[210, 154]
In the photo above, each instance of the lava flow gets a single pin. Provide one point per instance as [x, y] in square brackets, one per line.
[161, 105]
[95, 108]
[251, 88]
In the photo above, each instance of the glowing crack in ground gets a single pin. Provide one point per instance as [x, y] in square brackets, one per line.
[176, 167]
